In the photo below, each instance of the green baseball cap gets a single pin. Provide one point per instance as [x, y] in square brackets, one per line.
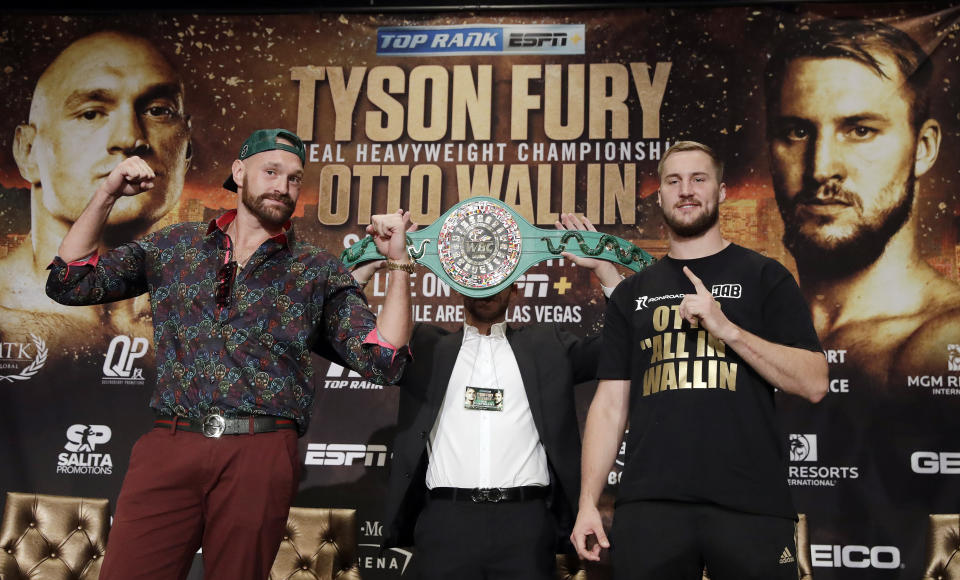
[266, 140]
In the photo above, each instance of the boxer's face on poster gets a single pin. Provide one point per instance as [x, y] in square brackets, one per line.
[106, 98]
[843, 151]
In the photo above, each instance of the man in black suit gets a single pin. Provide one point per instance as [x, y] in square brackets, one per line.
[485, 471]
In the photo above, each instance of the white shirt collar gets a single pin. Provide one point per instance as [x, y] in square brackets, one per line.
[498, 330]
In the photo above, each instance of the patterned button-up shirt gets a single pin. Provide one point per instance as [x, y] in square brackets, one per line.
[251, 356]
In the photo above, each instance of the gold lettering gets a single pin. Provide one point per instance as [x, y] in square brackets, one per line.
[344, 99]
[657, 349]
[667, 343]
[712, 374]
[553, 89]
[306, 77]
[381, 82]
[620, 193]
[717, 345]
[365, 173]
[593, 192]
[728, 376]
[681, 342]
[522, 102]
[471, 98]
[614, 102]
[328, 200]
[421, 213]
[651, 380]
[661, 317]
[650, 93]
[482, 182]
[683, 381]
[698, 382]
[668, 377]
[544, 215]
[518, 194]
[395, 175]
[417, 122]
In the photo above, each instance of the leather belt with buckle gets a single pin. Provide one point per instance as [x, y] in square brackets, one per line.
[214, 425]
[490, 494]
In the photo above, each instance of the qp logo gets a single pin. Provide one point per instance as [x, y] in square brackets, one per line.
[803, 447]
[122, 353]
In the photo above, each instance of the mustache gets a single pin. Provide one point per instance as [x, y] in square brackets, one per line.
[828, 193]
[284, 199]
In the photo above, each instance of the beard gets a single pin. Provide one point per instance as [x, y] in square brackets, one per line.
[838, 256]
[257, 204]
[700, 224]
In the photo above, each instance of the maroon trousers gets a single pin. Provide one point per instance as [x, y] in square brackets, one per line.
[183, 490]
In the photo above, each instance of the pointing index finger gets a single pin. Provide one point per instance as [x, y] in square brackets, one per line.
[697, 283]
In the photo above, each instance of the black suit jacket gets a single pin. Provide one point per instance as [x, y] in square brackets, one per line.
[551, 362]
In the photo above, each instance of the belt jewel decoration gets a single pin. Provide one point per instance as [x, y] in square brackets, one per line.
[481, 245]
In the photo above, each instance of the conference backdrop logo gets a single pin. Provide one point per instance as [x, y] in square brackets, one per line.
[122, 353]
[20, 361]
[85, 455]
[935, 462]
[854, 556]
[346, 454]
[371, 557]
[481, 39]
[941, 384]
[804, 450]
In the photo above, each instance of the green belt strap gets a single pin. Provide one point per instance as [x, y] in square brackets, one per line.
[480, 246]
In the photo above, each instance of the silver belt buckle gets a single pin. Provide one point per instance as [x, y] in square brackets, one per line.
[213, 425]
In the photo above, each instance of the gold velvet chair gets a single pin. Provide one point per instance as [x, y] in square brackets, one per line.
[803, 551]
[319, 544]
[569, 567]
[53, 537]
[943, 548]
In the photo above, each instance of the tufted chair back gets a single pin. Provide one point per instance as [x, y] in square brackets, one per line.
[569, 567]
[319, 544]
[53, 537]
[804, 565]
[943, 548]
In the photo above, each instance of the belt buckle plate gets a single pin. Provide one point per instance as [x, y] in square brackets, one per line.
[213, 425]
[492, 495]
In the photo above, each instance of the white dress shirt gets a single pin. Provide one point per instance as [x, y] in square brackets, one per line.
[472, 448]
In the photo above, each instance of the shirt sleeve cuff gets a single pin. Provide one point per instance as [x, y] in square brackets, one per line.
[90, 260]
[375, 338]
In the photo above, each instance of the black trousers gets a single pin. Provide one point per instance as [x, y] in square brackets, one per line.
[458, 540]
[662, 540]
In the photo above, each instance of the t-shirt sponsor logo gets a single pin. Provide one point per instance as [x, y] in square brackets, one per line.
[122, 354]
[644, 301]
[804, 449]
[85, 454]
[20, 361]
[726, 290]
[346, 454]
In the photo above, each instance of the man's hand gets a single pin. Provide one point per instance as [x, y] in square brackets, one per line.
[589, 524]
[131, 176]
[604, 270]
[701, 309]
[389, 234]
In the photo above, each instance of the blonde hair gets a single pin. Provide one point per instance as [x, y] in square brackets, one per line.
[680, 146]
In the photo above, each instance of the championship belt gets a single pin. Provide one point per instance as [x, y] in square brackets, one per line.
[480, 246]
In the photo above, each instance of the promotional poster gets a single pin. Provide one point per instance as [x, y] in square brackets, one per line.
[549, 111]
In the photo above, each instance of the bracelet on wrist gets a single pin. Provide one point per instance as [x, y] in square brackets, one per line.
[407, 267]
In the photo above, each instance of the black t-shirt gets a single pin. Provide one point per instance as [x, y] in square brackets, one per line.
[702, 422]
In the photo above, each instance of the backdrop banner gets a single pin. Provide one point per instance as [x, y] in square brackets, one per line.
[840, 163]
